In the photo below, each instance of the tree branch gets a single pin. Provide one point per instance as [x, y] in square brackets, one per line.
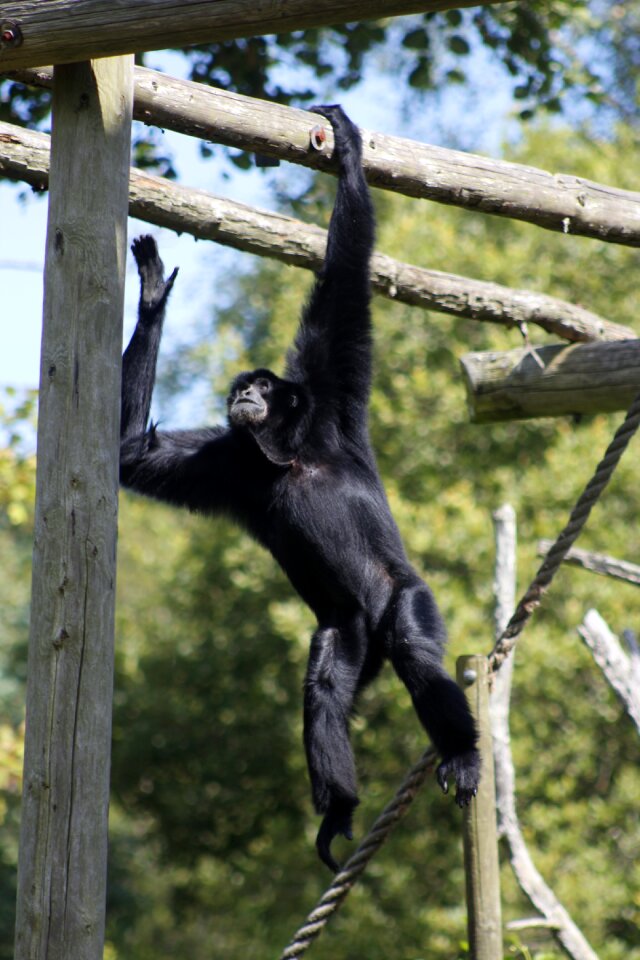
[541, 896]
[557, 202]
[597, 563]
[613, 661]
[24, 155]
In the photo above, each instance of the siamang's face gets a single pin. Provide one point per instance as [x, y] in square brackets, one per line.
[256, 396]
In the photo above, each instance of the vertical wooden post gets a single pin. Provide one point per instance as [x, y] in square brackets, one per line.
[63, 841]
[480, 833]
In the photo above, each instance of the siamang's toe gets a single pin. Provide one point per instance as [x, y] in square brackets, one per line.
[465, 769]
[337, 820]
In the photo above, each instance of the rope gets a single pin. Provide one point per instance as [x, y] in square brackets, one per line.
[579, 516]
[345, 879]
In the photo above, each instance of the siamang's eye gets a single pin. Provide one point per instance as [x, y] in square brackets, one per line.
[262, 384]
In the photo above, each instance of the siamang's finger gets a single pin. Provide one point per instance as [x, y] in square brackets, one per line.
[170, 281]
[144, 249]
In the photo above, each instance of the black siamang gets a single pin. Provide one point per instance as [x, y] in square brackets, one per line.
[294, 466]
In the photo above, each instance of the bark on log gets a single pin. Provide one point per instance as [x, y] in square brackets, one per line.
[557, 202]
[551, 381]
[24, 155]
[64, 31]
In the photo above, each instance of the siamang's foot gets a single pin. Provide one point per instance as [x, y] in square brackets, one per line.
[154, 289]
[347, 135]
[337, 820]
[465, 769]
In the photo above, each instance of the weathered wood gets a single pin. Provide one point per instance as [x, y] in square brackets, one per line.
[551, 381]
[553, 914]
[613, 661]
[24, 155]
[64, 31]
[557, 202]
[482, 869]
[597, 563]
[63, 839]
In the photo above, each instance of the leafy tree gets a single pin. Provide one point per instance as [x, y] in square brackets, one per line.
[212, 828]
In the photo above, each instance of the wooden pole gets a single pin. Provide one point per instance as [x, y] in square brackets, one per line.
[63, 841]
[551, 381]
[64, 31]
[484, 915]
[555, 201]
[24, 155]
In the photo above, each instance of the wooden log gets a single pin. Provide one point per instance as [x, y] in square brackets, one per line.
[24, 155]
[559, 202]
[482, 868]
[551, 381]
[63, 837]
[64, 31]
[597, 563]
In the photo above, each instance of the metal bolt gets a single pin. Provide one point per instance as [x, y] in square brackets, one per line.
[10, 33]
[318, 137]
[469, 676]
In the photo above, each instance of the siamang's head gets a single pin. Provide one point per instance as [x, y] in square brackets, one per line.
[260, 397]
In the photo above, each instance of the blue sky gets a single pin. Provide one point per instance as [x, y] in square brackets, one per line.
[478, 109]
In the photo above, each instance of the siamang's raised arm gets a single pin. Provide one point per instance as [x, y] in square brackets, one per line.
[190, 468]
[332, 350]
[141, 356]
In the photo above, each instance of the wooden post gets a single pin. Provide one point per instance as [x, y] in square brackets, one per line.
[480, 833]
[63, 841]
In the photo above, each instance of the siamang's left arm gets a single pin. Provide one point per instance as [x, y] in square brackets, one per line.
[201, 469]
[332, 350]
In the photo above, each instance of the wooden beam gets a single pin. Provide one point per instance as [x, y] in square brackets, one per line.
[64, 31]
[555, 201]
[24, 155]
[480, 836]
[63, 838]
[551, 381]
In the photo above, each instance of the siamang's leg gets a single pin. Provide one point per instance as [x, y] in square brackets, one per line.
[331, 683]
[140, 357]
[415, 642]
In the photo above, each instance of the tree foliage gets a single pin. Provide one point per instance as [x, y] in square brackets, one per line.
[212, 828]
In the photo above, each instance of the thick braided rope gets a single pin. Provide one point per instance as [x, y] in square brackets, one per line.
[579, 516]
[345, 879]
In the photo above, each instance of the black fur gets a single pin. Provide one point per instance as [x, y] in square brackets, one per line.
[295, 467]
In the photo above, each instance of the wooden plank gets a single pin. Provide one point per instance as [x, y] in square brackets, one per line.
[555, 201]
[482, 868]
[551, 381]
[64, 31]
[63, 841]
[24, 155]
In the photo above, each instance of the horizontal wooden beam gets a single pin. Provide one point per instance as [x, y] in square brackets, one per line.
[24, 155]
[64, 31]
[552, 381]
[557, 202]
